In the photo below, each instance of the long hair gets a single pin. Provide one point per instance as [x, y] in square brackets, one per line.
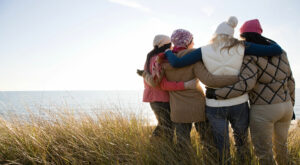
[154, 52]
[226, 41]
[256, 38]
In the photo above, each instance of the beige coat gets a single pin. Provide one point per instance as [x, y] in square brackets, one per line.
[188, 106]
[268, 81]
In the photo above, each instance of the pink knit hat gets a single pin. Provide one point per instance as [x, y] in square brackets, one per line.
[251, 26]
[181, 38]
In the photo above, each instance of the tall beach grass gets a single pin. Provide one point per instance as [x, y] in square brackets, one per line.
[66, 137]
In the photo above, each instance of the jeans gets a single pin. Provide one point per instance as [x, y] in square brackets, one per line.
[165, 127]
[219, 118]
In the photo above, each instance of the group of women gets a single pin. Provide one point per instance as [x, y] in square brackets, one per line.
[253, 70]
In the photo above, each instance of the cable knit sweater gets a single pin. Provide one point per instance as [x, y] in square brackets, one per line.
[189, 105]
[269, 80]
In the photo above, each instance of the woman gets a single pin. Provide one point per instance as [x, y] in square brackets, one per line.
[224, 56]
[157, 97]
[271, 88]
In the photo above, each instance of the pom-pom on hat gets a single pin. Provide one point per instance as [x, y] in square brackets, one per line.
[181, 38]
[251, 26]
[161, 40]
[227, 27]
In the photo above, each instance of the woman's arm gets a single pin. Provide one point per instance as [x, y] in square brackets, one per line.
[186, 60]
[171, 85]
[150, 80]
[247, 81]
[211, 80]
[290, 79]
[291, 86]
[262, 50]
[166, 85]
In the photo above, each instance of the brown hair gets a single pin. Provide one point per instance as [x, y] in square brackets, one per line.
[154, 52]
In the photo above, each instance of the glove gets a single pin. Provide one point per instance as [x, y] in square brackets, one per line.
[192, 84]
[294, 116]
[210, 93]
[140, 72]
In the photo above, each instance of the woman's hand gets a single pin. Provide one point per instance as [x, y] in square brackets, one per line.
[140, 72]
[192, 84]
[210, 93]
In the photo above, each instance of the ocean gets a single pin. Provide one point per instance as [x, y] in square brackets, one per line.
[40, 102]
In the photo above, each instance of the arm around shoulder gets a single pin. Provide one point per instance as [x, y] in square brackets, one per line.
[262, 50]
[186, 60]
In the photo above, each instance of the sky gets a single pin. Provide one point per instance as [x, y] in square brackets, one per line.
[99, 44]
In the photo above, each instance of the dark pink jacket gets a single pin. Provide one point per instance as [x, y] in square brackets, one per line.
[160, 93]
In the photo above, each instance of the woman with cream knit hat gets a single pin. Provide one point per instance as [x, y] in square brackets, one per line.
[159, 99]
[224, 56]
[158, 95]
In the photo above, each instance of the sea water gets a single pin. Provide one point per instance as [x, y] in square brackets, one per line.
[90, 102]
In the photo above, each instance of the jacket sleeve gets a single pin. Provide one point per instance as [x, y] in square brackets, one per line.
[211, 80]
[164, 84]
[186, 60]
[149, 79]
[291, 84]
[247, 80]
[171, 85]
[262, 50]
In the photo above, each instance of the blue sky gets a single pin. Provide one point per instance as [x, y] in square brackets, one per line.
[99, 44]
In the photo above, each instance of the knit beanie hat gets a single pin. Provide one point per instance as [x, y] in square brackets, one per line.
[227, 27]
[161, 40]
[251, 26]
[181, 38]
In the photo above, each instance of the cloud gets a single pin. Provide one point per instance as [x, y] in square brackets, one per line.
[131, 4]
[207, 10]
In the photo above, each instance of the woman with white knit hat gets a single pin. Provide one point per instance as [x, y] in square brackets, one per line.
[224, 56]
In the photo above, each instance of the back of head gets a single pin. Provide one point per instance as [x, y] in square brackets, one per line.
[181, 38]
[227, 27]
[224, 34]
[251, 26]
[160, 43]
[161, 40]
[251, 32]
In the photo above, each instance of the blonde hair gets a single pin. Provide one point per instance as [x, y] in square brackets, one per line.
[226, 41]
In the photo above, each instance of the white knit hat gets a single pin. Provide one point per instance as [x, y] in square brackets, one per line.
[227, 27]
[161, 40]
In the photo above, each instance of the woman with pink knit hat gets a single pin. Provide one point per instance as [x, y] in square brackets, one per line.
[224, 56]
[271, 87]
